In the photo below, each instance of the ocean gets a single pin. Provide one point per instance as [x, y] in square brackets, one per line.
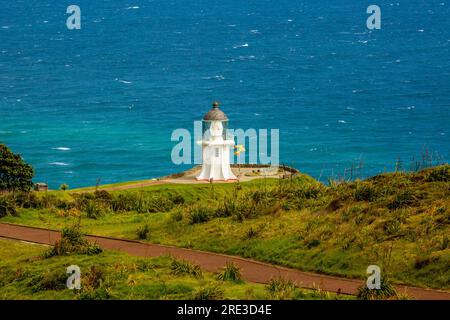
[101, 102]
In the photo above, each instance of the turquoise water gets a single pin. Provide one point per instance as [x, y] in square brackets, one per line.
[101, 102]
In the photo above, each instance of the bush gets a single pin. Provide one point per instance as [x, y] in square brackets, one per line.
[64, 187]
[101, 293]
[93, 210]
[365, 192]
[251, 233]
[403, 199]
[50, 280]
[280, 289]
[182, 267]
[94, 278]
[199, 214]
[143, 232]
[176, 216]
[210, 292]
[27, 200]
[7, 207]
[230, 272]
[386, 291]
[441, 173]
[73, 242]
[312, 243]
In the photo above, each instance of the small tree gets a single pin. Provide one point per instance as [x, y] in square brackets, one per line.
[64, 187]
[15, 174]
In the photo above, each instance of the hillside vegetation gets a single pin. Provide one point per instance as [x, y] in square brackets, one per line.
[30, 271]
[399, 221]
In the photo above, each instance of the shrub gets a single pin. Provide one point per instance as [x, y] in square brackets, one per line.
[251, 233]
[64, 187]
[392, 226]
[334, 205]
[312, 243]
[7, 207]
[441, 173]
[199, 214]
[422, 262]
[280, 289]
[82, 199]
[210, 292]
[176, 216]
[103, 196]
[386, 291]
[93, 210]
[101, 293]
[49, 280]
[72, 242]
[94, 278]
[230, 272]
[365, 192]
[143, 232]
[123, 202]
[27, 200]
[403, 199]
[182, 267]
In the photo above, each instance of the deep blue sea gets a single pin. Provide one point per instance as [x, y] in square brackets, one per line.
[101, 102]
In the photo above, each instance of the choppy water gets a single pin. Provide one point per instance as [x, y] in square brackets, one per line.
[101, 102]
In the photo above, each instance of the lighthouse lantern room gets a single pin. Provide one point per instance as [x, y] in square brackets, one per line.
[216, 148]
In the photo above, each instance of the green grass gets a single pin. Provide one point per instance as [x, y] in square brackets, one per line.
[26, 274]
[399, 221]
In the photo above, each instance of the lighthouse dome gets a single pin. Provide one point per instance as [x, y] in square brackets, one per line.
[215, 114]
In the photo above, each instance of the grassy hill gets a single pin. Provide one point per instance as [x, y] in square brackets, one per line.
[399, 221]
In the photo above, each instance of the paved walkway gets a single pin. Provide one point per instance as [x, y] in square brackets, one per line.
[252, 271]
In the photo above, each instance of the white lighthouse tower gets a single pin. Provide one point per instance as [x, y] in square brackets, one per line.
[216, 148]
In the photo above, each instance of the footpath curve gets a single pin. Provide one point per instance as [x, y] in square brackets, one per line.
[252, 271]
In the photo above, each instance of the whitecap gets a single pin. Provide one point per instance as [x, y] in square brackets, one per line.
[6, 27]
[245, 45]
[134, 7]
[61, 164]
[342, 121]
[217, 77]
[62, 148]
[123, 81]
[420, 30]
[254, 31]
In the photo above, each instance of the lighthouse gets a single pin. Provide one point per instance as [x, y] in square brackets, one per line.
[216, 148]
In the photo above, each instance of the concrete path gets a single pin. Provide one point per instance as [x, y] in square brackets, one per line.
[252, 271]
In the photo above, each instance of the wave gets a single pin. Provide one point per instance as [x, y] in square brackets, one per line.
[130, 8]
[123, 81]
[62, 148]
[218, 77]
[61, 164]
[245, 45]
